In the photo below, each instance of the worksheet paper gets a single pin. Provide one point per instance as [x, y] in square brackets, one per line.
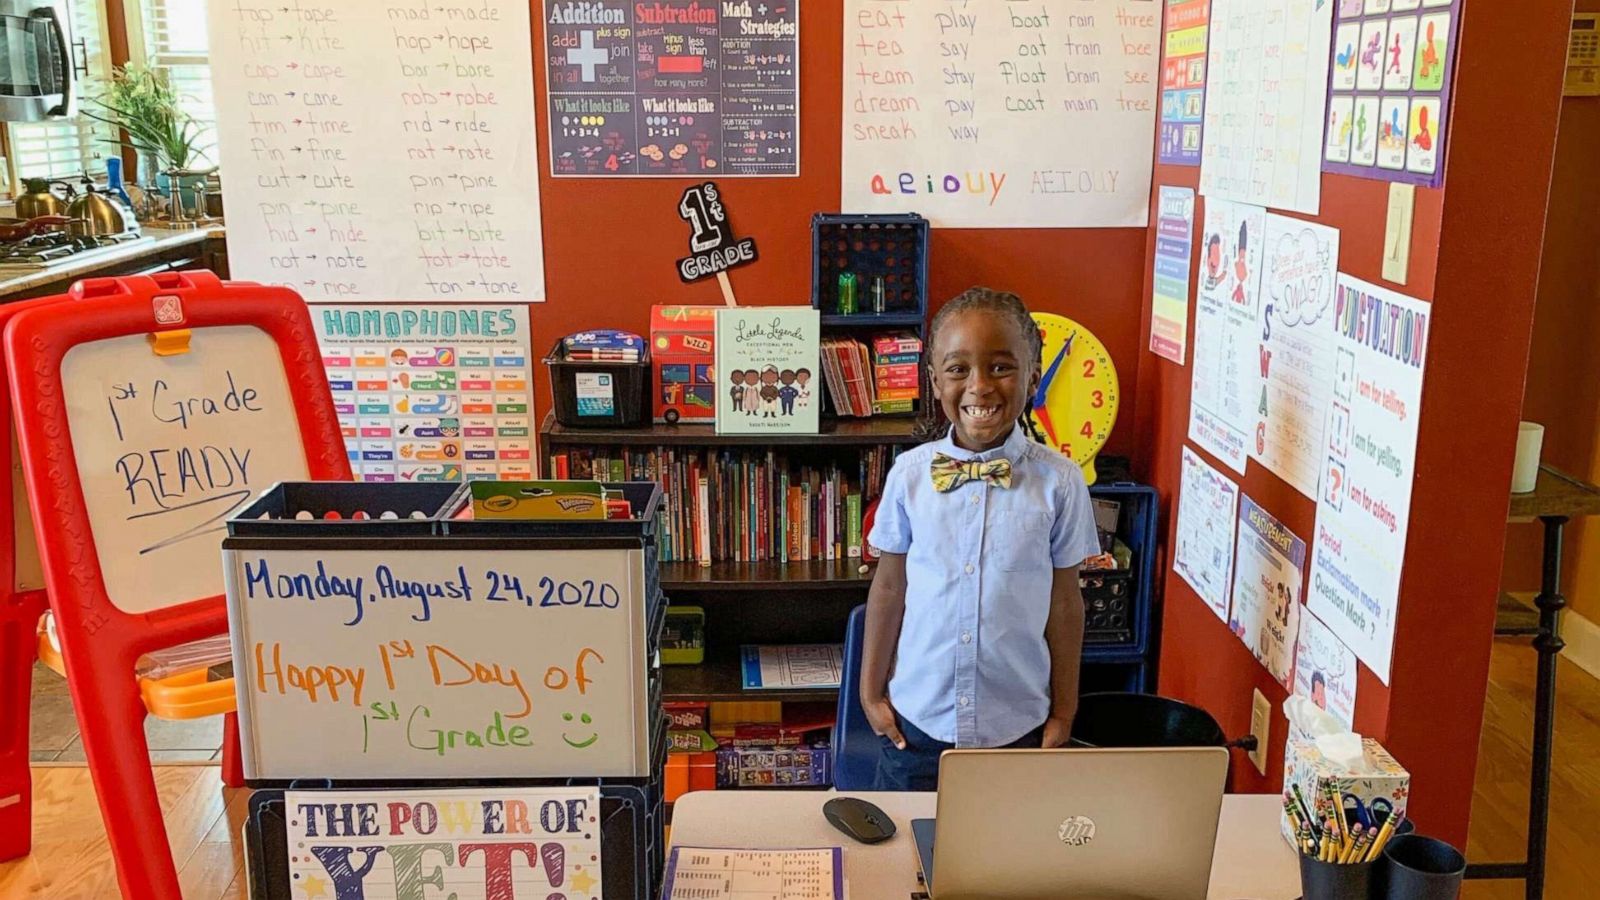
[1224, 394]
[1169, 301]
[478, 844]
[1325, 670]
[1364, 503]
[1001, 115]
[1296, 352]
[379, 150]
[699, 873]
[1269, 569]
[1208, 505]
[1266, 90]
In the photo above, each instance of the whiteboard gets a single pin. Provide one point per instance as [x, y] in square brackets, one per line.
[520, 663]
[168, 447]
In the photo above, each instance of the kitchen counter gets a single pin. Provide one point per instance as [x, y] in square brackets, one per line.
[169, 250]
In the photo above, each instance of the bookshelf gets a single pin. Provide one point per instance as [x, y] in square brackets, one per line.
[881, 430]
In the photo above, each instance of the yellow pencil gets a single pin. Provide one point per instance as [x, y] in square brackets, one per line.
[1384, 833]
[1327, 847]
[1351, 845]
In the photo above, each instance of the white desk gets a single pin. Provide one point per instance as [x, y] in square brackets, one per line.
[1252, 863]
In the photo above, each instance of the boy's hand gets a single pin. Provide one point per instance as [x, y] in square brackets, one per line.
[1057, 732]
[881, 716]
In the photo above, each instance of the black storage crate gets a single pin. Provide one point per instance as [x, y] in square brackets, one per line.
[1108, 607]
[892, 246]
[281, 502]
[1119, 604]
[629, 384]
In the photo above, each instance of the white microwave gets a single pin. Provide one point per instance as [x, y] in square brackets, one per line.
[35, 63]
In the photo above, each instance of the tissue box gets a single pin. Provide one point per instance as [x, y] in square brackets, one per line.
[1377, 789]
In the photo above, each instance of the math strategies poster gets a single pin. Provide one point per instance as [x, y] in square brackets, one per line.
[481, 844]
[1001, 115]
[1169, 306]
[1269, 569]
[1208, 506]
[1364, 503]
[430, 392]
[1325, 670]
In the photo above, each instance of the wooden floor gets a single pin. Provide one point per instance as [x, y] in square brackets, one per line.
[70, 858]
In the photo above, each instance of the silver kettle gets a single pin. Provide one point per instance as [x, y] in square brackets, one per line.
[95, 213]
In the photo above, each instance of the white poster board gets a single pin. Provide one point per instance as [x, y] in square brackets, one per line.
[439, 663]
[1364, 505]
[1222, 401]
[1208, 505]
[168, 447]
[377, 151]
[1001, 115]
[1325, 670]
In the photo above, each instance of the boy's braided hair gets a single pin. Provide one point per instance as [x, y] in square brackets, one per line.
[933, 424]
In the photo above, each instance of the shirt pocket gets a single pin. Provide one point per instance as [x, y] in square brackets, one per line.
[1019, 541]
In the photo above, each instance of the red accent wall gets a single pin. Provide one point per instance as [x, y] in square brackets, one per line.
[610, 246]
[1475, 253]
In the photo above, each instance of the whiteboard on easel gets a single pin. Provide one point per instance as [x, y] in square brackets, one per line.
[439, 663]
[167, 447]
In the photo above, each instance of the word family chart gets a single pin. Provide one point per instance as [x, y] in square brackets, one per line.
[1001, 115]
[380, 150]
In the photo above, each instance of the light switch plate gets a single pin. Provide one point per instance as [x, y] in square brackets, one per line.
[1397, 232]
[1260, 726]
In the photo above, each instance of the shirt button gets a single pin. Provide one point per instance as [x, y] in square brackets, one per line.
[976, 499]
[966, 637]
[969, 568]
[964, 701]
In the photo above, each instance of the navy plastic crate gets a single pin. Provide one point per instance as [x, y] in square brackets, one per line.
[643, 496]
[894, 247]
[1126, 601]
[281, 502]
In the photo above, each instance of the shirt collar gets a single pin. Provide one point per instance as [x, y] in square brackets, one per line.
[1012, 449]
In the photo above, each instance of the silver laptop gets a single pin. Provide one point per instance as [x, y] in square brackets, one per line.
[1074, 824]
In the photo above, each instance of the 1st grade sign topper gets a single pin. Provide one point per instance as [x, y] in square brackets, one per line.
[713, 249]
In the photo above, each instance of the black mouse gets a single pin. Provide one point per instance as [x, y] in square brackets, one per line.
[859, 819]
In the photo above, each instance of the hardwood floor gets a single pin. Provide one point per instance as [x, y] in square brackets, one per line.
[70, 858]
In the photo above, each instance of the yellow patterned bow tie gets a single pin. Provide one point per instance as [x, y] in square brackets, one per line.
[950, 473]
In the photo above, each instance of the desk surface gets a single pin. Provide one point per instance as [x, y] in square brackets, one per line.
[1252, 861]
[1556, 494]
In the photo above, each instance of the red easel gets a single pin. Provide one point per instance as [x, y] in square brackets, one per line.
[100, 641]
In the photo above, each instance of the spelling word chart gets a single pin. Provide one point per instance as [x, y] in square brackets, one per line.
[379, 150]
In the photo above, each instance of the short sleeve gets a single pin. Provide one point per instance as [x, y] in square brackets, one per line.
[1073, 537]
[891, 527]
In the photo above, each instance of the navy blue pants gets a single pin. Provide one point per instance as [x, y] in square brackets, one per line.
[916, 768]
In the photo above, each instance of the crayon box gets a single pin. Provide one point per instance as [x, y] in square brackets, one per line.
[1370, 793]
[538, 500]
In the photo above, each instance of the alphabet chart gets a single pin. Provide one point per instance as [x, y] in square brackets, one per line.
[1001, 115]
[671, 89]
[698, 873]
[480, 844]
[379, 149]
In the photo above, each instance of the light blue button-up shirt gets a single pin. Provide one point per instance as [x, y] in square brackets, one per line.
[972, 667]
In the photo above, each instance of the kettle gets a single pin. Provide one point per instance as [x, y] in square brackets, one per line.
[41, 200]
[95, 213]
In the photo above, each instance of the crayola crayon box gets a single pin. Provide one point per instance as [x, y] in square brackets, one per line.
[538, 500]
[1370, 790]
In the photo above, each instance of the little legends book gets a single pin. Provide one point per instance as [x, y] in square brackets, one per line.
[768, 378]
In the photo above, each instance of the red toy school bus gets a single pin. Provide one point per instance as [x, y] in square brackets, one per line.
[683, 386]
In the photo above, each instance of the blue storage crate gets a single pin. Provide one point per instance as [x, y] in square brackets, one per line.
[1120, 611]
[892, 246]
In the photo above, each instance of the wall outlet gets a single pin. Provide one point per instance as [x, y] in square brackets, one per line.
[1260, 726]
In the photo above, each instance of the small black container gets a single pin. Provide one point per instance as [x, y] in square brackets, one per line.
[1332, 881]
[1423, 868]
[599, 394]
[283, 500]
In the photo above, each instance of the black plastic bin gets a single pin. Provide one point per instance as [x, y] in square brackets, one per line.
[1143, 720]
[602, 394]
[283, 500]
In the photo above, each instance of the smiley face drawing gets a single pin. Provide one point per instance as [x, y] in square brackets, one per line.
[586, 742]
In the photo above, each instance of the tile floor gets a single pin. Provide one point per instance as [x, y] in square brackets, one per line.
[53, 729]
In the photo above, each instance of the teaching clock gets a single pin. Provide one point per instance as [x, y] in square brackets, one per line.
[1076, 403]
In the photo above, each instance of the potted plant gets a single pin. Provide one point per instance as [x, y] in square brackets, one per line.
[143, 106]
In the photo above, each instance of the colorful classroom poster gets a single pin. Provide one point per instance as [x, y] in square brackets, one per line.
[379, 151]
[1222, 410]
[1364, 503]
[1001, 115]
[1266, 89]
[430, 393]
[1183, 81]
[1389, 93]
[1169, 307]
[673, 89]
[1297, 282]
[1208, 505]
[478, 844]
[1269, 569]
[1325, 670]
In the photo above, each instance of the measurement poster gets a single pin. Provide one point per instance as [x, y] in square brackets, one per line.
[1208, 505]
[1001, 115]
[479, 844]
[1183, 80]
[1364, 502]
[1269, 569]
[673, 88]
[430, 392]
[379, 150]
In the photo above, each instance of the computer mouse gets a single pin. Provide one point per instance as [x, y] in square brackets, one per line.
[859, 819]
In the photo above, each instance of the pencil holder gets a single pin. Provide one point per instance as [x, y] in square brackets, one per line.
[1423, 868]
[1332, 881]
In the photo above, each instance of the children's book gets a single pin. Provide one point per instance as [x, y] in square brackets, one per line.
[767, 369]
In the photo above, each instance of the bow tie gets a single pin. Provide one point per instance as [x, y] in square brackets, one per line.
[950, 473]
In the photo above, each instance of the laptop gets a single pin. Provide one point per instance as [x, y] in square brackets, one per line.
[1074, 824]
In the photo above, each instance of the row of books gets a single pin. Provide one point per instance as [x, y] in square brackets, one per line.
[882, 378]
[744, 505]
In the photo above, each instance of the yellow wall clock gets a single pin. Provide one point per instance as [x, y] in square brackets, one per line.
[1076, 403]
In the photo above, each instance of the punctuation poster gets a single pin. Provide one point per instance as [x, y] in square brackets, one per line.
[379, 150]
[1208, 505]
[1001, 115]
[1364, 503]
[1222, 403]
[430, 392]
[1183, 80]
[673, 89]
[480, 844]
[1269, 569]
